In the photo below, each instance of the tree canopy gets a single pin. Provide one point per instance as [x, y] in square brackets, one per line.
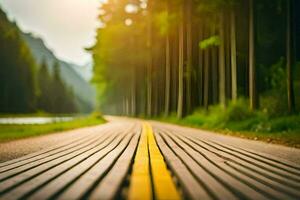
[160, 57]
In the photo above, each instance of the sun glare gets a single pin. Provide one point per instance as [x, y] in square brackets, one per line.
[131, 8]
[128, 22]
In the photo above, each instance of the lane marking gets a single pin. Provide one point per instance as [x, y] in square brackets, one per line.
[140, 185]
[148, 157]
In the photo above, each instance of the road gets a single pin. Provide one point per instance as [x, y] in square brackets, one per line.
[134, 159]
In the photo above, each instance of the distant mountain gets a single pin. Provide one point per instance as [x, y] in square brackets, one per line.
[85, 71]
[70, 74]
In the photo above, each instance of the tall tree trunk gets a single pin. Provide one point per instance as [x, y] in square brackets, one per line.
[227, 56]
[127, 113]
[149, 65]
[233, 56]
[206, 77]
[200, 66]
[189, 47]
[180, 68]
[253, 96]
[168, 72]
[168, 77]
[214, 64]
[174, 69]
[222, 69]
[133, 92]
[289, 57]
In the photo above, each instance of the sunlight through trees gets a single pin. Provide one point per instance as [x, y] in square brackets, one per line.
[156, 58]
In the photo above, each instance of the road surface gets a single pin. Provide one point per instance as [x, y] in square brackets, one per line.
[133, 159]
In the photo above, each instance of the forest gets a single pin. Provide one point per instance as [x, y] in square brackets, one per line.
[206, 61]
[26, 87]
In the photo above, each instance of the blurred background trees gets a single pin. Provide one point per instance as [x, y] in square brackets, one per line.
[162, 58]
[156, 58]
[25, 87]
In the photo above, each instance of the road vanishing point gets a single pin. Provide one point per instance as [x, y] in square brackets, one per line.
[140, 160]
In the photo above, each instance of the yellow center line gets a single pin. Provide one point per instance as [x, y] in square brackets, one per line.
[140, 186]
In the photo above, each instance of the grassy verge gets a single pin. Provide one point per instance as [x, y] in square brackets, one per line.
[38, 114]
[238, 120]
[13, 132]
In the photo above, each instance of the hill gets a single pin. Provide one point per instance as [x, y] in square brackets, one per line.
[83, 91]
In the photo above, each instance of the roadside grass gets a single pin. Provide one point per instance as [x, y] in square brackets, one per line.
[238, 120]
[14, 132]
[37, 114]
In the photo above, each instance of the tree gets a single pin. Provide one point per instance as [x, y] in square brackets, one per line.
[168, 66]
[181, 67]
[17, 73]
[252, 68]
[45, 102]
[289, 56]
[184, 55]
[233, 54]
[62, 98]
[222, 75]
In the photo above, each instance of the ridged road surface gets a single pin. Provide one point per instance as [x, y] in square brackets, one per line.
[132, 159]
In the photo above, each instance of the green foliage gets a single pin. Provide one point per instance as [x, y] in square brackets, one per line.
[44, 95]
[238, 111]
[238, 117]
[238, 120]
[138, 68]
[24, 89]
[218, 117]
[275, 76]
[13, 132]
[162, 20]
[274, 97]
[54, 96]
[211, 41]
[97, 115]
[119, 56]
[17, 70]
[274, 104]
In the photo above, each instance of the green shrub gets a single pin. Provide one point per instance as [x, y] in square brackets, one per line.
[97, 115]
[285, 124]
[274, 104]
[238, 117]
[238, 111]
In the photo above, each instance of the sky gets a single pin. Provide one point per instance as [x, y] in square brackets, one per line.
[66, 26]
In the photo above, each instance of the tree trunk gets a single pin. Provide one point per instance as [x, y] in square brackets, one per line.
[222, 75]
[133, 92]
[233, 56]
[206, 77]
[174, 69]
[289, 58]
[214, 67]
[214, 75]
[200, 67]
[180, 69]
[189, 55]
[253, 96]
[168, 72]
[227, 56]
[168, 77]
[149, 66]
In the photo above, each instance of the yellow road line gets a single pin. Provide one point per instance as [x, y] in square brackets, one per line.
[140, 186]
